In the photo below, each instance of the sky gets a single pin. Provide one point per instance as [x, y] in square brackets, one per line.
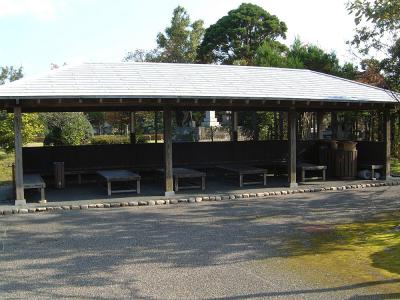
[36, 33]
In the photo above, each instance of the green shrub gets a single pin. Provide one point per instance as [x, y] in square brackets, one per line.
[66, 128]
[109, 139]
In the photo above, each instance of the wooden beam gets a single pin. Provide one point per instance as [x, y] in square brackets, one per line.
[168, 168]
[19, 172]
[235, 133]
[387, 142]
[292, 121]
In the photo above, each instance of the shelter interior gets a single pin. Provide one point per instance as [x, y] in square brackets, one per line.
[282, 150]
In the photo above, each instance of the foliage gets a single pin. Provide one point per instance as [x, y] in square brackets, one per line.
[391, 66]
[238, 35]
[377, 24]
[314, 58]
[371, 73]
[141, 55]
[178, 44]
[10, 73]
[67, 128]
[32, 126]
[6, 161]
[180, 41]
[276, 55]
[109, 139]
[97, 118]
[301, 56]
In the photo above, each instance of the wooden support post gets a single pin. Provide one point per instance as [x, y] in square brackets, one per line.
[387, 142]
[19, 173]
[156, 126]
[133, 128]
[234, 134]
[320, 118]
[168, 168]
[292, 121]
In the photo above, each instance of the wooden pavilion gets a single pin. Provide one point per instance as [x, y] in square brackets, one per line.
[170, 87]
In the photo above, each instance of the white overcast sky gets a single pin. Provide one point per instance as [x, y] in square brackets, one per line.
[35, 33]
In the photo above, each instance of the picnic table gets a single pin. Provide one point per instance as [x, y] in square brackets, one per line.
[35, 181]
[120, 176]
[243, 170]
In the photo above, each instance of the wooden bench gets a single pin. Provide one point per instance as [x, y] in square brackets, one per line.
[373, 168]
[181, 173]
[120, 176]
[304, 167]
[243, 170]
[35, 181]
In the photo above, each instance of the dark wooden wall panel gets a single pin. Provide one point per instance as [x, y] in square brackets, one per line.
[40, 159]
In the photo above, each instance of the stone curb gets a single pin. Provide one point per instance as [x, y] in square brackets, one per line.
[191, 200]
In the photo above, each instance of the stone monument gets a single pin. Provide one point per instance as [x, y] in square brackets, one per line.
[210, 120]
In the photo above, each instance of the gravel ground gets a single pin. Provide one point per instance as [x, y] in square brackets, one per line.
[214, 250]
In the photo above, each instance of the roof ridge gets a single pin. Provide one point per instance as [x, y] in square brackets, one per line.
[200, 65]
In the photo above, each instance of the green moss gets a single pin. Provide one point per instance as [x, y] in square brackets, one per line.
[348, 253]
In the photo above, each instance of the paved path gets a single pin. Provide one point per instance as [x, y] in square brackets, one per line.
[213, 250]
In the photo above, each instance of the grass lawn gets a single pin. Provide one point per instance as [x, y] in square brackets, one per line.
[395, 166]
[6, 160]
[349, 253]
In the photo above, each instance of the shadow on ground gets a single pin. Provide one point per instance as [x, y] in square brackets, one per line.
[44, 253]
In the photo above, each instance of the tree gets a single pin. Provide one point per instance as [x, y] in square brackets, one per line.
[378, 28]
[238, 35]
[181, 39]
[10, 73]
[276, 55]
[391, 66]
[32, 126]
[66, 128]
[302, 56]
[97, 119]
[371, 73]
[314, 58]
[178, 44]
[377, 24]
[141, 55]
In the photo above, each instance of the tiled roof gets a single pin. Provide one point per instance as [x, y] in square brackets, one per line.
[158, 80]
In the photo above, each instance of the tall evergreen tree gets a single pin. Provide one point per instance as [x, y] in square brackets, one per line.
[236, 37]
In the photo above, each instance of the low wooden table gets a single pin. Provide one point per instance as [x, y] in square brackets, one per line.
[35, 181]
[242, 170]
[311, 167]
[180, 173]
[120, 176]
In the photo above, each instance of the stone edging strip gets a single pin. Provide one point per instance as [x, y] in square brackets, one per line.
[26, 210]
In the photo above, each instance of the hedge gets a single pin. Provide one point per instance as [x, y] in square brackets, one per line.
[109, 139]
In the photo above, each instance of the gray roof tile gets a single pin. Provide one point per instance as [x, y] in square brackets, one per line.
[157, 80]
